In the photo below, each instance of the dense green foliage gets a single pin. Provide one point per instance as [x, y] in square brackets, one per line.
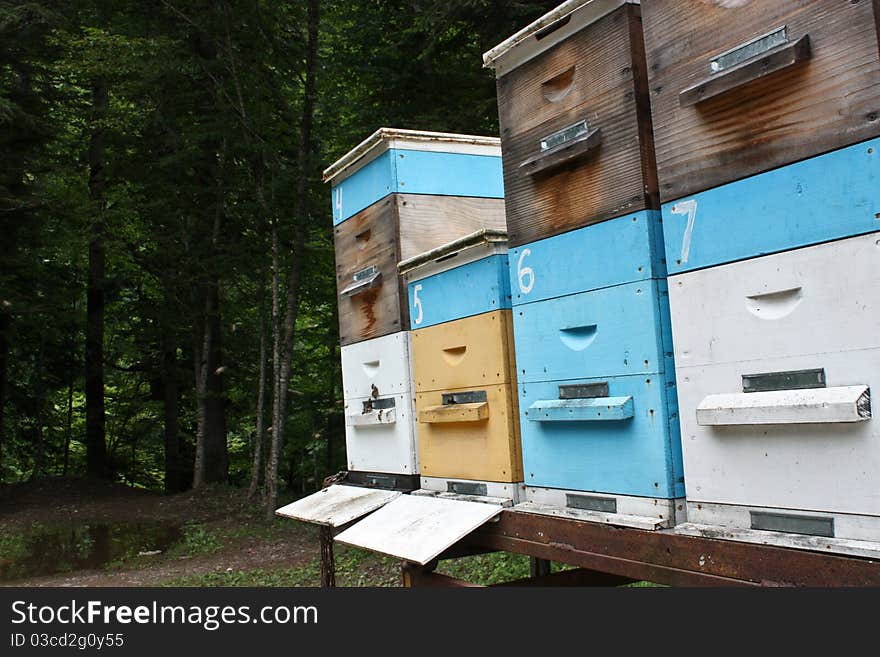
[196, 154]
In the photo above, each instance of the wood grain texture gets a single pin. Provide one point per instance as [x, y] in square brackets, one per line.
[609, 89]
[828, 102]
[428, 221]
[370, 238]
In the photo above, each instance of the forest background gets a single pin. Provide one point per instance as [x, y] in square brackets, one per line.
[167, 280]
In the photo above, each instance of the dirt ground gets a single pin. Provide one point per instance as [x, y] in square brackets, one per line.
[242, 541]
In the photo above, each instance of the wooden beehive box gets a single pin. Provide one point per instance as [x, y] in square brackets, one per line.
[738, 88]
[465, 384]
[466, 277]
[775, 360]
[380, 435]
[398, 194]
[575, 119]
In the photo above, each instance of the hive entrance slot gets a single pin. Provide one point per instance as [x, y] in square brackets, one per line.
[794, 380]
[378, 404]
[584, 390]
[472, 397]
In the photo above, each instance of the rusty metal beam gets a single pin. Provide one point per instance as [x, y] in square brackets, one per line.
[667, 558]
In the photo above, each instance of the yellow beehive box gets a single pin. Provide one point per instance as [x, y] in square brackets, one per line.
[476, 440]
[466, 401]
[463, 353]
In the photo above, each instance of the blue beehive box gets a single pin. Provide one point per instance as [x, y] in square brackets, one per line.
[824, 198]
[461, 279]
[597, 397]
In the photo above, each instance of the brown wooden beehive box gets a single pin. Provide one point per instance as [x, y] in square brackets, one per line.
[575, 119]
[396, 195]
[739, 87]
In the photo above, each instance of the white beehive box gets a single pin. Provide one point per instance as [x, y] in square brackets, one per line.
[379, 409]
[775, 359]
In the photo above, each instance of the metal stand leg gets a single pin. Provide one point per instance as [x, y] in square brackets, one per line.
[328, 567]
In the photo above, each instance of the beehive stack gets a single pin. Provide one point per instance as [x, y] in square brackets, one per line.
[396, 195]
[465, 380]
[591, 322]
[766, 122]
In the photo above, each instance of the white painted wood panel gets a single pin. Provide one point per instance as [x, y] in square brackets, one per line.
[809, 406]
[418, 528]
[815, 467]
[667, 511]
[813, 300]
[616, 519]
[494, 489]
[854, 548]
[337, 505]
[847, 526]
[382, 446]
[381, 362]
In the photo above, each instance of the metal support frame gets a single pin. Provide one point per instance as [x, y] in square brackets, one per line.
[609, 556]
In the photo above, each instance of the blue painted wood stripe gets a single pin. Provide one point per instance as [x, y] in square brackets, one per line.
[477, 287]
[638, 456]
[595, 409]
[622, 250]
[417, 172]
[824, 198]
[612, 331]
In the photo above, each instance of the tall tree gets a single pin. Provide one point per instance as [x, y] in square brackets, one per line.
[96, 440]
[294, 280]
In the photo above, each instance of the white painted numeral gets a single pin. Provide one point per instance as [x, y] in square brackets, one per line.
[338, 203]
[524, 273]
[418, 305]
[689, 208]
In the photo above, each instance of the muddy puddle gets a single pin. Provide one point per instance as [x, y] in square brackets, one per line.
[49, 549]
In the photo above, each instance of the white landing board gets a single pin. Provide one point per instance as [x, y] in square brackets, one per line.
[781, 539]
[336, 505]
[417, 528]
[616, 519]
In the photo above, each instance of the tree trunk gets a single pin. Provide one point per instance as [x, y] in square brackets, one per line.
[271, 478]
[216, 468]
[261, 392]
[295, 276]
[211, 459]
[68, 429]
[4, 366]
[96, 447]
[171, 395]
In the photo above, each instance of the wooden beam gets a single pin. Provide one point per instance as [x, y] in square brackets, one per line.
[668, 558]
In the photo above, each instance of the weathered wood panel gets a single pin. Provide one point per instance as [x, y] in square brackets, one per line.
[596, 75]
[337, 505]
[825, 102]
[417, 528]
[428, 221]
[370, 239]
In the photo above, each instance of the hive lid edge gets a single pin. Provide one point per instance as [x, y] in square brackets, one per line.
[471, 240]
[378, 142]
[599, 9]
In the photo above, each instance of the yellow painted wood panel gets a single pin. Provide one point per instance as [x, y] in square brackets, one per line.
[463, 353]
[484, 450]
